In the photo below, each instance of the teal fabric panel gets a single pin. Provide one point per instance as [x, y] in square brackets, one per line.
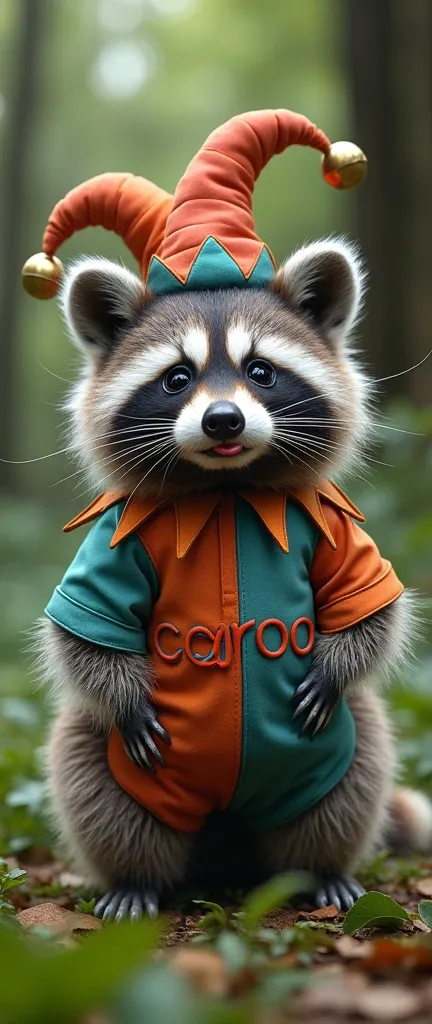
[282, 773]
[107, 594]
[213, 268]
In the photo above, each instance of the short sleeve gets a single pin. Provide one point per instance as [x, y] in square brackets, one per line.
[107, 593]
[353, 581]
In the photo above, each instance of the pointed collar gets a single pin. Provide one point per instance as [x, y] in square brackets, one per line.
[193, 513]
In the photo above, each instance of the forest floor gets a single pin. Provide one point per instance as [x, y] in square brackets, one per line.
[321, 973]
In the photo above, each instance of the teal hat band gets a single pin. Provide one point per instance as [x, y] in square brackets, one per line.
[213, 268]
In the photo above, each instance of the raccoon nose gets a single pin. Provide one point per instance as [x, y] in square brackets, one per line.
[223, 421]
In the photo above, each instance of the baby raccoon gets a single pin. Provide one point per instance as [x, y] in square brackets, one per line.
[215, 643]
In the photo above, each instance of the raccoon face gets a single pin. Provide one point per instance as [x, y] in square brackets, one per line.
[218, 389]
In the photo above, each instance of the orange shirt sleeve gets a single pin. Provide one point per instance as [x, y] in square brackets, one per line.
[352, 581]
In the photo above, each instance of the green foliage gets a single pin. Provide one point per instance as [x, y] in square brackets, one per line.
[61, 984]
[425, 912]
[375, 910]
[9, 879]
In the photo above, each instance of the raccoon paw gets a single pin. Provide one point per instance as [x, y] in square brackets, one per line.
[127, 904]
[316, 699]
[139, 744]
[340, 891]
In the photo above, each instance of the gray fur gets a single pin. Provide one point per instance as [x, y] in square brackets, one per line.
[342, 828]
[381, 642]
[108, 685]
[111, 838]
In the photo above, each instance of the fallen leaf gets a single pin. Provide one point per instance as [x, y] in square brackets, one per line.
[389, 1002]
[60, 921]
[420, 926]
[396, 956]
[336, 996]
[325, 913]
[205, 969]
[352, 949]
[423, 886]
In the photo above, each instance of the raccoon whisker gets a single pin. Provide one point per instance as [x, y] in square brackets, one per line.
[108, 458]
[148, 419]
[402, 373]
[52, 374]
[293, 405]
[335, 422]
[356, 458]
[40, 458]
[329, 446]
[141, 481]
[281, 450]
[295, 456]
[170, 465]
[131, 430]
[136, 461]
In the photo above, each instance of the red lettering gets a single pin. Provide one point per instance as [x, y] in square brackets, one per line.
[156, 640]
[284, 637]
[213, 658]
[223, 636]
[237, 634]
[199, 631]
[311, 636]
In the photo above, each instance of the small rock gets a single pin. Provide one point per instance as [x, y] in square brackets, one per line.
[423, 886]
[59, 920]
[389, 1002]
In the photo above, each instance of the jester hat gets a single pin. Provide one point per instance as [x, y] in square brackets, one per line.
[204, 235]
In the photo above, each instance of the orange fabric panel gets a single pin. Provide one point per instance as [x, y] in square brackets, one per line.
[199, 705]
[214, 196]
[131, 206]
[351, 581]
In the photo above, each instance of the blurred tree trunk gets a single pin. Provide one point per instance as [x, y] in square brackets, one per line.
[24, 68]
[390, 69]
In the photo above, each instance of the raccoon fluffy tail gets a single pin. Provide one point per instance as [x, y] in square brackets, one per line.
[409, 828]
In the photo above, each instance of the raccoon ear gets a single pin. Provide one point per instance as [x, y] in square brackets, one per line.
[326, 281]
[100, 300]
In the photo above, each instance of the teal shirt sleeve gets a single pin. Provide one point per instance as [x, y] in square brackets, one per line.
[107, 593]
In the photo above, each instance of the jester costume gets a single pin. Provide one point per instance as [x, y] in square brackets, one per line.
[225, 592]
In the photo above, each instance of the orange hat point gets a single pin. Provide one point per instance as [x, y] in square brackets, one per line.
[212, 200]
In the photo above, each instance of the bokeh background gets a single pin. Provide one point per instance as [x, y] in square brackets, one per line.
[94, 85]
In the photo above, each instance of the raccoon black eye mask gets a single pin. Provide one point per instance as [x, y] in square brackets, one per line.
[215, 641]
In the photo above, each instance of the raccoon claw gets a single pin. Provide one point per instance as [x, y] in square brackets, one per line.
[315, 698]
[140, 746]
[127, 904]
[341, 892]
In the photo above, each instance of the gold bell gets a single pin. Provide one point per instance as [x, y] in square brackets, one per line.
[344, 166]
[41, 275]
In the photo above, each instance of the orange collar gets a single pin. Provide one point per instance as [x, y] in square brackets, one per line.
[192, 513]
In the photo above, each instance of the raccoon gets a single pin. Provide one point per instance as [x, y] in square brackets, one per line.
[215, 645]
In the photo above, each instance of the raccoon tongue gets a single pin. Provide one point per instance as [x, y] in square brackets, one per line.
[228, 449]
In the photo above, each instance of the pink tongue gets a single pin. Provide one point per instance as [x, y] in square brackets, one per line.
[228, 449]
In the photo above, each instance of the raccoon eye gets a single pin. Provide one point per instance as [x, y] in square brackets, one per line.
[177, 379]
[261, 372]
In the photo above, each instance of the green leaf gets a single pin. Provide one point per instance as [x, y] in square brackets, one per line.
[63, 984]
[375, 910]
[215, 907]
[216, 920]
[233, 951]
[425, 912]
[274, 893]
[86, 906]
[159, 995]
